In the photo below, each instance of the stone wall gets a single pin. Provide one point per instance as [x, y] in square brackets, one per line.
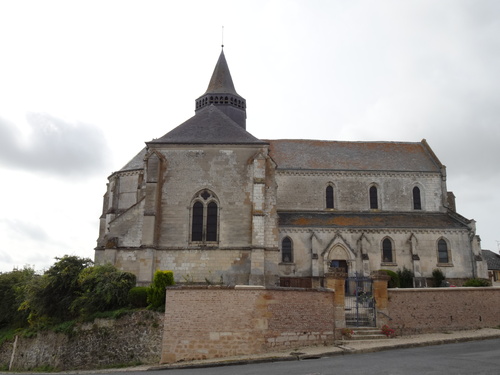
[132, 339]
[441, 309]
[306, 190]
[215, 322]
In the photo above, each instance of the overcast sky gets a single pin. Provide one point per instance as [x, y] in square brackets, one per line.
[83, 84]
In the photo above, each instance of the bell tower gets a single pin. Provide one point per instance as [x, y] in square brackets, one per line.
[221, 93]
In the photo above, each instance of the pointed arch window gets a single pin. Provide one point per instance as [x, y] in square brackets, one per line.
[329, 197]
[205, 217]
[373, 198]
[287, 250]
[417, 202]
[443, 252]
[387, 251]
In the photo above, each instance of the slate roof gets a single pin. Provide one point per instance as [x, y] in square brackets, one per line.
[353, 156]
[137, 162]
[492, 259]
[221, 81]
[395, 220]
[208, 126]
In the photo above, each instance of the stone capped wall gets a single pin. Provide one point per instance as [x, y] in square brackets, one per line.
[216, 322]
[438, 309]
[132, 339]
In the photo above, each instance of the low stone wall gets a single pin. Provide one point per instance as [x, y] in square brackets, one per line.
[215, 322]
[439, 309]
[132, 339]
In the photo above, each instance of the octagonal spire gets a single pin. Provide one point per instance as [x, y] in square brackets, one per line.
[221, 93]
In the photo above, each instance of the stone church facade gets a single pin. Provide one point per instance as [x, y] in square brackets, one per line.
[214, 204]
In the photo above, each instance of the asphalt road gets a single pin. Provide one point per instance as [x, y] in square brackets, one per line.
[475, 357]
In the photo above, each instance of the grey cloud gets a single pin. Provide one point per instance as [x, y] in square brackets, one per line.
[24, 229]
[53, 146]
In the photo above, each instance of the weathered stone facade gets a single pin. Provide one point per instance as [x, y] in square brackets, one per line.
[214, 204]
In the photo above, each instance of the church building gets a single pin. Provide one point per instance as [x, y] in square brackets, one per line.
[214, 204]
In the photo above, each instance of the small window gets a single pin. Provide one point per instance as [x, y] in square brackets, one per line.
[197, 227]
[443, 256]
[212, 221]
[417, 203]
[373, 198]
[286, 250]
[329, 197]
[387, 251]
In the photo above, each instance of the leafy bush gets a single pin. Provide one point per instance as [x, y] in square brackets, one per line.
[477, 283]
[156, 292]
[12, 294]
[138, 296]
[103, 288]
[437, 277]
[394, 281]
[405, 278]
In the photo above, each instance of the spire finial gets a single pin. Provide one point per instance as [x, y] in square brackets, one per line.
[222, 37]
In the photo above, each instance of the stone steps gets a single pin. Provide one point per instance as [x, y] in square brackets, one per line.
[362, 334]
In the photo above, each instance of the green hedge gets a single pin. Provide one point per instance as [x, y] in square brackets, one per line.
[477, 282]
[138, 296]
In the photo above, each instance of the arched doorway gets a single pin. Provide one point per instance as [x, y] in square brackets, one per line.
[338, 257]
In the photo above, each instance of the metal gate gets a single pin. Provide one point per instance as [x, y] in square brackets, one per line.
[359, 302]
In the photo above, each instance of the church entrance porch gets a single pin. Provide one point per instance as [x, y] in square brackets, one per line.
[340, 264]
[359, 302]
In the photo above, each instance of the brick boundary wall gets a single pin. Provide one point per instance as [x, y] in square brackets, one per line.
[440, 309]
[216, 322]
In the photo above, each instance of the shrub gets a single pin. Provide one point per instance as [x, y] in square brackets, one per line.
[103, 288]
[138, 296]
[477, 283]
[347, 332]
[394, 281]
[389, 332]
[437, 277]
[405, 278]
[156, 291]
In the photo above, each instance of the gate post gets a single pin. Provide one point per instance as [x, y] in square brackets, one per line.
[380, 281]
[335, 279]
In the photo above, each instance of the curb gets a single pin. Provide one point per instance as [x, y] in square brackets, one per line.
[302, 356]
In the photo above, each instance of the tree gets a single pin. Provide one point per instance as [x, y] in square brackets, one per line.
[50, 297]
[12, 295]
[102, 288]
